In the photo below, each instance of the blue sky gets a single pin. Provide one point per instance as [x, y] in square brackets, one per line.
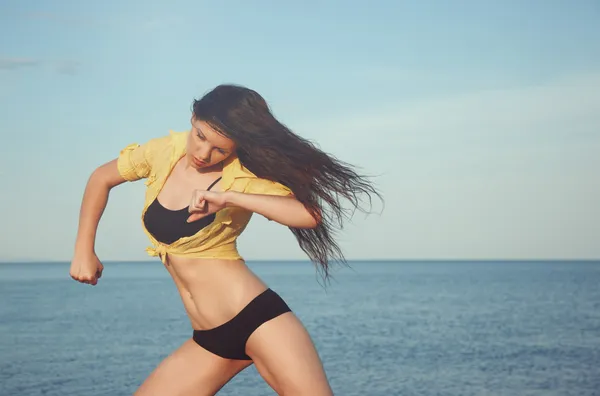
[481, 120]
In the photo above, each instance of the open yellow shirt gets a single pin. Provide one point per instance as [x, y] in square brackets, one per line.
[154, 161]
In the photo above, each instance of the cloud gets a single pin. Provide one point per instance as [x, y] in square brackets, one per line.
[68, 67]
[559, 112]
[496, 173]
[65, 19]
[137, 22]
[64, 66]
[17, 63]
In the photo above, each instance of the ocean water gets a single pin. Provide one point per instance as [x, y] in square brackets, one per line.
[381, 328]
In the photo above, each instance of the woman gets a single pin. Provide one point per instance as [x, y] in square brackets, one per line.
[202, 188]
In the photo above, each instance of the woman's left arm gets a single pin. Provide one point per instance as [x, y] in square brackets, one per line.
[285, 210]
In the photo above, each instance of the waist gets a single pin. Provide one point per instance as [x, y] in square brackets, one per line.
[216, 289]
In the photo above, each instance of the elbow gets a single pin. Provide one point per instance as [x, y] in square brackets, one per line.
[310, 225]
[305, 223]
[311, 221]
[307, 226]
[314, 224]
[301, 222]
[316, 218]
[302, 217]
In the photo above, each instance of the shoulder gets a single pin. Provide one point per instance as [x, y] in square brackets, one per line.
[137, 160]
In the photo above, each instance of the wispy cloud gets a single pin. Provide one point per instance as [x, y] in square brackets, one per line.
[557, 111]
[489, 173]
[519, 136]
[137, 22]
[17, 63]
[68, 67]
[61, 66]
[66, 19]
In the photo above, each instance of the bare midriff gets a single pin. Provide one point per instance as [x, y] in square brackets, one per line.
[213, 291]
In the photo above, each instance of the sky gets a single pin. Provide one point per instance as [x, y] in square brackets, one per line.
[479, 121]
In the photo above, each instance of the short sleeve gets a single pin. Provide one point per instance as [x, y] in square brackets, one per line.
[267, 187]
[135, 160]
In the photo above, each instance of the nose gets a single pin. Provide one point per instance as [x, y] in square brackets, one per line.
[204, 154]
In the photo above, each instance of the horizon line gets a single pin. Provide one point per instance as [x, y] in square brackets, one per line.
[399, 260]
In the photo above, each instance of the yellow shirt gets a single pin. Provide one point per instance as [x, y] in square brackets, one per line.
[155, 160]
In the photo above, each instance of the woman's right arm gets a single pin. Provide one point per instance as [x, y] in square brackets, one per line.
[95, 198]
[85, 266]
[134, 163]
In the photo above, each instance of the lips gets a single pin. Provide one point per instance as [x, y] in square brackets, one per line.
[198, 162]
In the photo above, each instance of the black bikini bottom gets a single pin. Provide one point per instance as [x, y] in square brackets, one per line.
[229, 339]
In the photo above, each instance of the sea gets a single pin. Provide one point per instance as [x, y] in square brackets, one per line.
[460, 328]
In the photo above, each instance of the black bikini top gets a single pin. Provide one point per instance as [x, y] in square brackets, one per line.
[167, 226]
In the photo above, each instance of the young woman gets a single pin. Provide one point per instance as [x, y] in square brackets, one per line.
[202, 188]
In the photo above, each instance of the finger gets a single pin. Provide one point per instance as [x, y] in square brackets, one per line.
[197, 209]
[197, 199]
[194, 217]
[81, 276]
[75, 274]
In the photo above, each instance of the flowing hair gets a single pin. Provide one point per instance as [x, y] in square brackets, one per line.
[271, 151]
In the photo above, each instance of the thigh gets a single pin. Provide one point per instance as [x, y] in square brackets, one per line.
[190, 370]
[285, 356]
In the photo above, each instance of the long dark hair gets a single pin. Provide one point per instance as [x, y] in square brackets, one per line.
[271, 151]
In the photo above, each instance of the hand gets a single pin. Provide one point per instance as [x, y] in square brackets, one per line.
[205, 203]
[86, 268]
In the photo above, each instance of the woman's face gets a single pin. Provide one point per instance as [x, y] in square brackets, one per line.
[206, 147]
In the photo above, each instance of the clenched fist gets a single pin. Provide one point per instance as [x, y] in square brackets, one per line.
[86, 268]
[204, 203]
